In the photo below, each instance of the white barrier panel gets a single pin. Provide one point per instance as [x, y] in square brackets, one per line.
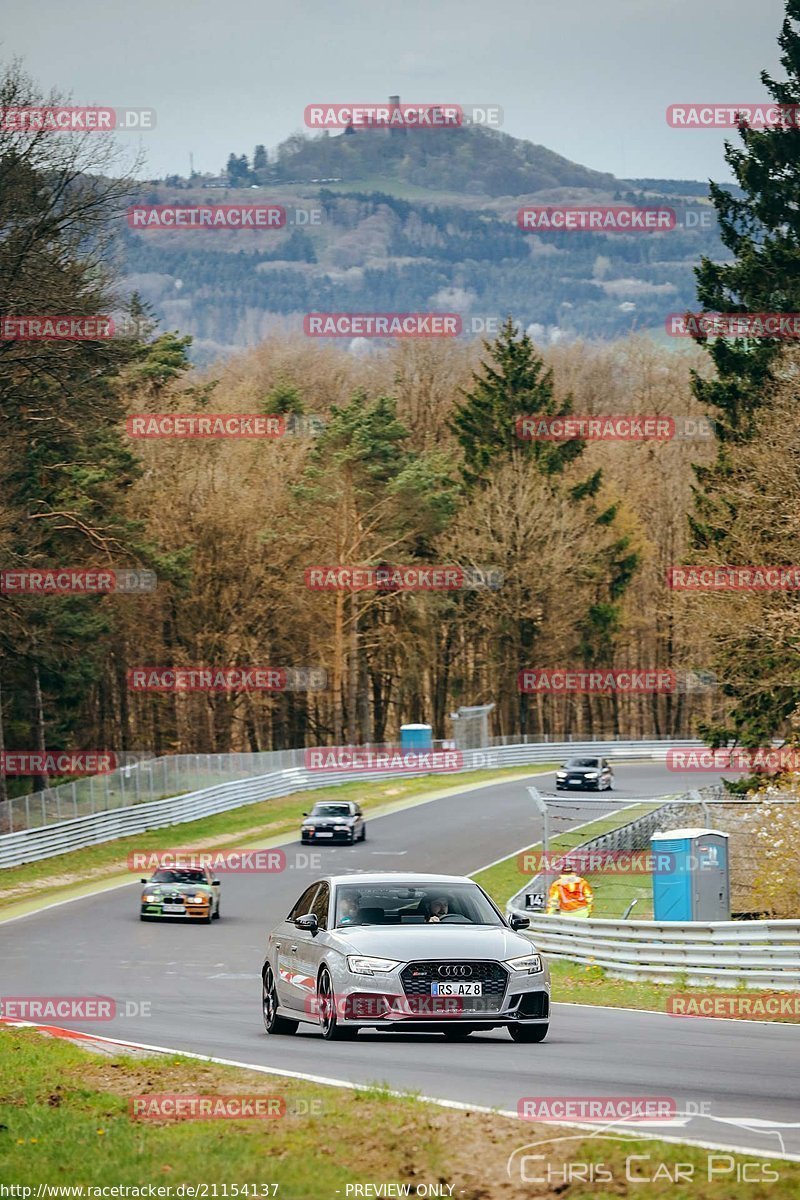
[722, 954]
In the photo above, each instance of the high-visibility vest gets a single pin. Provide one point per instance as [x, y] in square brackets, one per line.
[568, 893]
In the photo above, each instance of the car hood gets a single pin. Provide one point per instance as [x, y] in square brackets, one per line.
[407, 942]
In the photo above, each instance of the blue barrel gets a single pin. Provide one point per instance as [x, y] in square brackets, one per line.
[416, 737]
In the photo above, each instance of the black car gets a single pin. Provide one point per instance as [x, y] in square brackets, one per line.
[334, 821]
[586, 774]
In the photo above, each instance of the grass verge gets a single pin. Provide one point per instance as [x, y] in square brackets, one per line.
[54, 878]
[65, 1121]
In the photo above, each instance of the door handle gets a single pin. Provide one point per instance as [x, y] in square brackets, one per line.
[294, 947]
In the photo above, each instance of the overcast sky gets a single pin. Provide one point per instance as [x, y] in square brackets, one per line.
[590, 79]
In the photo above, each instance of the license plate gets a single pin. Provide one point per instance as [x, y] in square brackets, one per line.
[174, 908]
[322, 833]
[456, 989]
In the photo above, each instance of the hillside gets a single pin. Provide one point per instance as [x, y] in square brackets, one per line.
[470, 161]
[426, 221]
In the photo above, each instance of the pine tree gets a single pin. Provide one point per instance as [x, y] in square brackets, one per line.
[514, 383]
[761, 229]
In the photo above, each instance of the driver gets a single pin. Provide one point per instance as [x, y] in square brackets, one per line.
[439, 908]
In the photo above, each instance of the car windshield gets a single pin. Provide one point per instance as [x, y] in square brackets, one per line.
[416, 904]
[184, 876]
[583, 762]
[330, 810]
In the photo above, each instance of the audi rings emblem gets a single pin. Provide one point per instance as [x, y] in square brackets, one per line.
[455, 971]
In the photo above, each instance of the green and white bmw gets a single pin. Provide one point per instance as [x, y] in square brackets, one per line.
[182, 893]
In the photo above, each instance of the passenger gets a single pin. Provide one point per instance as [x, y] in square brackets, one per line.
[348, 910]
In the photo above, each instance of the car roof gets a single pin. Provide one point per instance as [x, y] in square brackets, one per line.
[369, 877]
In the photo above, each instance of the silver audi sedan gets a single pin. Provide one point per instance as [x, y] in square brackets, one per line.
[400, 951]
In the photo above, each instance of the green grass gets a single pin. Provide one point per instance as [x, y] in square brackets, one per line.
[64, 1121]
[265, 819]
[581, 983]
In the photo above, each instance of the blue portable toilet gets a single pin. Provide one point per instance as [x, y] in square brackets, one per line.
[416, 737]
[690, 875]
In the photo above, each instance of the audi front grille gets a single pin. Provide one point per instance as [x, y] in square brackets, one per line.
[417, 978]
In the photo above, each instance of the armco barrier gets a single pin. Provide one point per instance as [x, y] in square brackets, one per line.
[720, 954]
[30, 845]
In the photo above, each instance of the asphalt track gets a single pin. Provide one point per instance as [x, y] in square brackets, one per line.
[202, 987]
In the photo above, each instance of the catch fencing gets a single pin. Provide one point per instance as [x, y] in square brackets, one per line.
[122, 803]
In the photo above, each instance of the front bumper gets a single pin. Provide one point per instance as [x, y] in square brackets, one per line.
[192, 912]
[382, 1002]
[326, 835]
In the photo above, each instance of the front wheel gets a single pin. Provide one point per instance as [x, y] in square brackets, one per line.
[528, 1033]
[363, 833]
[269, 1007]
[332, 1031]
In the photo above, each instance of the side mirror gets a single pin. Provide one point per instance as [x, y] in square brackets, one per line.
[516, 921]
[216, 883]
[305, 814]
[308, 923]
[142, 881]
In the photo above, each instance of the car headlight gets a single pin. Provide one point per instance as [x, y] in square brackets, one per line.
[150, 899]
[531, 964]
[561, 774]
[358, 964]
[592, 774]
[342, 828]
[197, 899]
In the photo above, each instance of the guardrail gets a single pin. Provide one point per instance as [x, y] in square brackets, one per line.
[66, 833]
[722, 954]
